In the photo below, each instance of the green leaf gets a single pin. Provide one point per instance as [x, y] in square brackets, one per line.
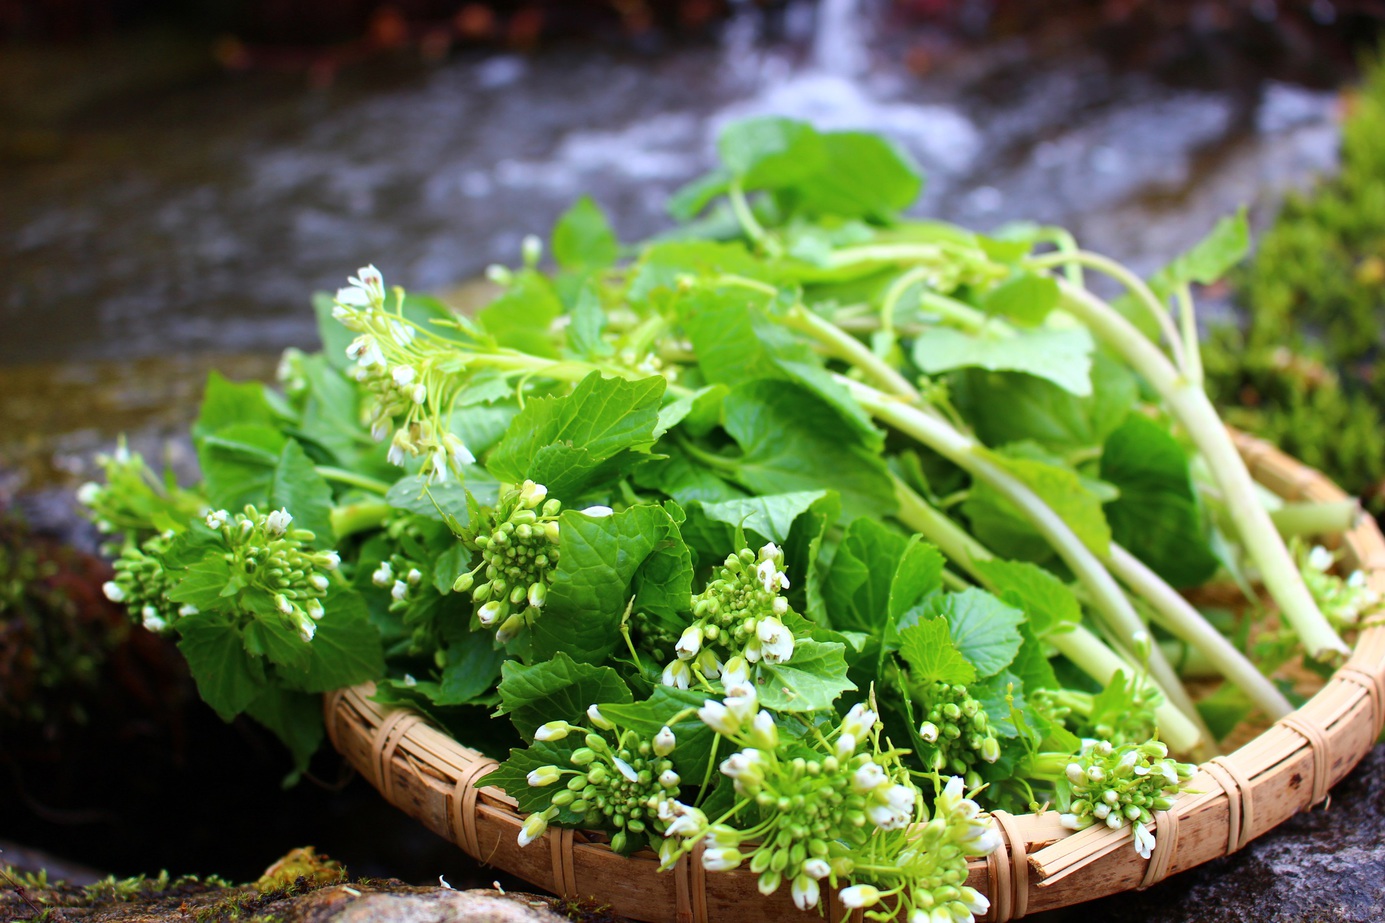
[521, 316]
[438, 500]
[811, 680]
[512, 776]
[560, 689]
[984, 629]
[878, 575]
[1062, 356]
[1208, 260]
[238, 464]
[928, 649]
[771, 152]
[271, 636]
[693, 747]
[226, 403]
[583, 239]
[296, 486]
[330, 417]
[203, 583]
[1048, 602]
[791, 441]
[995, 695]
[450, 565]
[689, 200]
[586, 325]
[473, 665]
[1007, 407]
[1031, 663]
[699, 411]
[228, 679]
[736, 342]
[600, 559]
[568, 443]
[663, 265]
[1156, 517]
[346, 649]
[863, 176]
[769, 515]
[295, 718]
[1024, 297]
[1063, 491]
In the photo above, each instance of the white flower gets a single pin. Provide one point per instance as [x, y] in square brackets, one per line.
[314, 609]
[626, 769]
[928, 731]
[1320, 558]
[553, 730]
[741, 699]
[859, 721]
[1144, 841]
[738, 765]
[533, 828]
[365, 351]
[669, 779]
[403, 375]
[846, 745]
[543, 775]
[776, 640]
[677, 674]
[780, 605]
[817, 868]
[188, 609]
[717, 716]
[114, 592]
[330, 560]
[283, 605]
[721, 860]
[690, 642]
[868, 777]
[489, 612]
[319, 582]
[763, 732]
[805, 892]
[351, 297]
[216, 519]
[597, 719]
[859, 896]
[277, 522]
[598, 512]
[399, 590]
[152, 622]
[306, 629]
[664, 742]
[1076, 774]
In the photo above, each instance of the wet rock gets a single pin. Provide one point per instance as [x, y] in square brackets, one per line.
[1324, 866]
[427, 905]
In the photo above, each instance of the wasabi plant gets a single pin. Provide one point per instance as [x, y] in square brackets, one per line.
[806, 535]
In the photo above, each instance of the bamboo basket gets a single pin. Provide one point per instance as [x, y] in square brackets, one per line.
[1042, 866]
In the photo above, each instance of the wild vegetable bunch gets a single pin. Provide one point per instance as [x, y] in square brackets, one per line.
[805, 532]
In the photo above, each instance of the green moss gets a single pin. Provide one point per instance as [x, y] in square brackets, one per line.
[1306, 371]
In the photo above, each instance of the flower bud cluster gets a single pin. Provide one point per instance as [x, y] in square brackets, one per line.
[517, 542]
[265, 551]
[920, 872]
[807, 802]
[1121, 786]
[141, 584]
[617, 781]
[738, 619]
[956, 732]
[1343, 601]
[403, 372]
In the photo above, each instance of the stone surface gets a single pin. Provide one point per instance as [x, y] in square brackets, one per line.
[431, 905]
[1324, 866]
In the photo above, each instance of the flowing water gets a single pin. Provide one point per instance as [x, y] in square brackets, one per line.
[185, 230]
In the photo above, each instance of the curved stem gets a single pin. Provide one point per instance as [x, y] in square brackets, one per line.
[1189, 404]
[849, 349]
[1156, 308]
[358, 517]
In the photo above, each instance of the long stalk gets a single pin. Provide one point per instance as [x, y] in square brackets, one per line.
[1082, 647]
[1177, 615]
[1189, 404]
[1122, 621]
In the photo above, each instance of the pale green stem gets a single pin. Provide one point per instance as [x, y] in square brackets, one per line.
[1137, 287]
[1121, 620]
[965, 551]
[849, 349]
[1187, 323]
[342, 476]
[1178, 615]
[1189, 404]
[746, 217]
[1297, 519]
[358, 517]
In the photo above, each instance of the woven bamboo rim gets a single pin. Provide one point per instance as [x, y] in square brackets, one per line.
[1287, 769]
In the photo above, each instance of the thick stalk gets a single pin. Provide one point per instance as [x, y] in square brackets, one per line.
[1189, 404]
[1177, 615]
[357, 517]
[1089, 653]
[1316, 518]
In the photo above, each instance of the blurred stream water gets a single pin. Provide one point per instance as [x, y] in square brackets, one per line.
[188, 230]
